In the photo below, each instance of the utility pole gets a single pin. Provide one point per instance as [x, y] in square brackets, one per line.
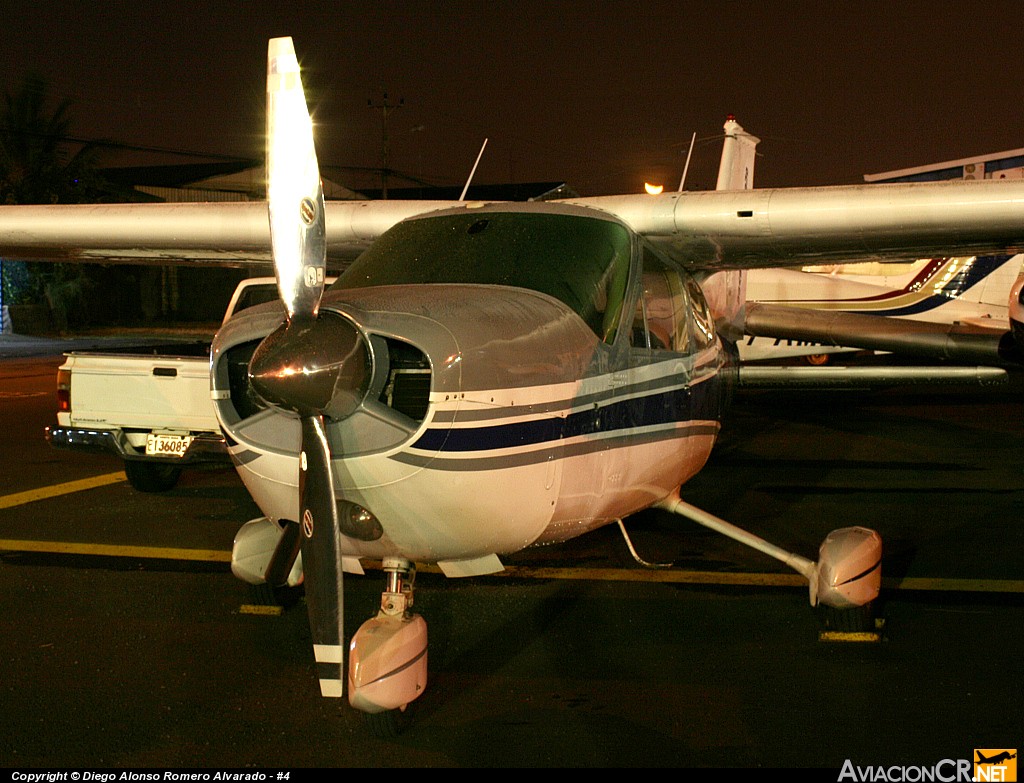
[386, 108]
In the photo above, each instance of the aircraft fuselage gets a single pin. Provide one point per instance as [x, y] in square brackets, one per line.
[505, 406]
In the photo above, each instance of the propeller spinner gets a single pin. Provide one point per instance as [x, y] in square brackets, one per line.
[315, 364]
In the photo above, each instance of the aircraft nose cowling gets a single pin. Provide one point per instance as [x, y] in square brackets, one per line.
[317, 367]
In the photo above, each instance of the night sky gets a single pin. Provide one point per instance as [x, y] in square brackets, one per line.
[601, 94]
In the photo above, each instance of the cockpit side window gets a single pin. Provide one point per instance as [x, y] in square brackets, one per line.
[703, 321]
[672, 314]
[581, 261]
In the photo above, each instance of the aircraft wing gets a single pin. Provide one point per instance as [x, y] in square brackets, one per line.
[792, 226]
[711, 230]
[217, 233]
[702, 230]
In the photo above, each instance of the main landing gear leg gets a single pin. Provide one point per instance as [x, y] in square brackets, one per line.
[387, 666]
[845, 581]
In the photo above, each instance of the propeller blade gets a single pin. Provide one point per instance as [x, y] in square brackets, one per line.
[314, 365]
[321, 556]
[294, 191]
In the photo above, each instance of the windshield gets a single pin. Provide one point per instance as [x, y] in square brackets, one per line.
[581, 261]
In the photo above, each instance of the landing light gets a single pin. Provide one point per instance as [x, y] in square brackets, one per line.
[653, 190]
[358, 523]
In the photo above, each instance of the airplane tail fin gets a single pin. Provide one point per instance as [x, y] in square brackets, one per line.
[736, 169]
[726, 292]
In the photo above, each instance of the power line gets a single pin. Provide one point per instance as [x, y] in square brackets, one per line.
[118, 145]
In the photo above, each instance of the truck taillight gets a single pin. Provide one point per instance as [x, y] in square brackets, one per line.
[63, 390]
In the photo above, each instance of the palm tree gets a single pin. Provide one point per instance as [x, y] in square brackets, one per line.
[38, 166]
[36, 163]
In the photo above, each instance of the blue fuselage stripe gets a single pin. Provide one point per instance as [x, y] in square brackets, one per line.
[698, 402]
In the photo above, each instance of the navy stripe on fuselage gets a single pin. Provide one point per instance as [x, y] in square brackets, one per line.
[700, 401]
[559, 450]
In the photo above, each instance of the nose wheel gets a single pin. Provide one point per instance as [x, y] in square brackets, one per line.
[388, 655]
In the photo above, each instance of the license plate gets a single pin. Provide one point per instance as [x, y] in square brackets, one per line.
[167, 445]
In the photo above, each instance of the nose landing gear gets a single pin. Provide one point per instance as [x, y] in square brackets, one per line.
[387, 667]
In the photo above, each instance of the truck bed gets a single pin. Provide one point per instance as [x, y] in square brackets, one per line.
[141, 390]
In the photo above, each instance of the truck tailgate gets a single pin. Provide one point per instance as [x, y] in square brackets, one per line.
[142, 392]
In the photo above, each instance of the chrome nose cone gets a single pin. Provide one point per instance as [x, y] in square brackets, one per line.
[313, 367]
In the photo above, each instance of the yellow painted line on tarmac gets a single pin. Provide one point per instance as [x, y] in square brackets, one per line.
[665, 576]
[939, 584]
[856, 637]
[56, 490]
[259, 609]
[669, 576]
[114, 550]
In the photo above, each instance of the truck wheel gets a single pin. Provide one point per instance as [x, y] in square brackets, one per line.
[151, 476]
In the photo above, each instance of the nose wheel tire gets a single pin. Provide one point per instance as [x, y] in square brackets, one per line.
[855, 619]
[388, 724]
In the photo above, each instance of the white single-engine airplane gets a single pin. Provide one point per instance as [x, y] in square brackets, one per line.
[487, 377]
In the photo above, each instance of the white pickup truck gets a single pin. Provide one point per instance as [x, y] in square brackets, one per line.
[151, 409]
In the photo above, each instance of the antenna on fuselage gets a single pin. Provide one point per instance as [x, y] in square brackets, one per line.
[687, 166]
[477, 163]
